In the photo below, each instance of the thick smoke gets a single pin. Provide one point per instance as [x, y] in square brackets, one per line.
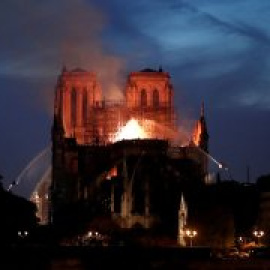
[39, 37]
[83, 47]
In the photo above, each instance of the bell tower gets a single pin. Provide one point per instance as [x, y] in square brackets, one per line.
[77, 92]
[149, 89]
[149, 96]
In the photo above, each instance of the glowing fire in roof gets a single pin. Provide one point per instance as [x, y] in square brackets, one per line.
[132, 130]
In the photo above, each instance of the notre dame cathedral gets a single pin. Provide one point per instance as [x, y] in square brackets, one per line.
[122, 158]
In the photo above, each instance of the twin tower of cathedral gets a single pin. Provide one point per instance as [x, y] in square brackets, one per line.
[87, 116]
[86, 149]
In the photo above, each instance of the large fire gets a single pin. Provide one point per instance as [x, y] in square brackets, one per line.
[149, 129]
[132, 130]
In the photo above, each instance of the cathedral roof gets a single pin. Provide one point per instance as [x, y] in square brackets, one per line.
[79, 70]
[148, 70]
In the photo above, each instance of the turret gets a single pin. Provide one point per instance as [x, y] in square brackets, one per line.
[182, 220]
[200, 135]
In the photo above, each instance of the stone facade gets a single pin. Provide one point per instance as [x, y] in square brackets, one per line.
[85, 152]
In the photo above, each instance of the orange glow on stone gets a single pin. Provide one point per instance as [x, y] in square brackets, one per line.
[112, 173]
[197, 134]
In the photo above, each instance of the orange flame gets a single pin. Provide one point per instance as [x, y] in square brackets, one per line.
[111, 173]
[132, 130]
[197, 134]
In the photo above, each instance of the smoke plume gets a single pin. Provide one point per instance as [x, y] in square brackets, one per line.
[44, 36]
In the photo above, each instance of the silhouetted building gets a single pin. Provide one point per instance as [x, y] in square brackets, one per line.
[18, 217]
[124, 158]
[263, 219]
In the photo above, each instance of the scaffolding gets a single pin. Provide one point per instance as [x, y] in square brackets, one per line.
[106, 119]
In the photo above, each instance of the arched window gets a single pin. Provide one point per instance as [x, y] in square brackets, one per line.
[155, 98]
[143, 98]
[84, 106]
[73, 106]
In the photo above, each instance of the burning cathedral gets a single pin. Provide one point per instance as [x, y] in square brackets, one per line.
[122, 158]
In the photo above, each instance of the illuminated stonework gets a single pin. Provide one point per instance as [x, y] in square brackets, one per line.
[131, 145]
[77, 93]
[90, 119]
[40, 197]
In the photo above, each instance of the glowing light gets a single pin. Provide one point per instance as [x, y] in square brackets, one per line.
[111, 173]
[191, 234]
[197, 134]
[258, 233]
[132, 130]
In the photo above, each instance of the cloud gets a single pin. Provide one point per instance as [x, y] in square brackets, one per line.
[208, 19]
[37, 39]
[224, 57]
[41, 36]
[217, 51]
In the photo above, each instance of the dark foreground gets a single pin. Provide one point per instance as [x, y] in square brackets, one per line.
[84, 258]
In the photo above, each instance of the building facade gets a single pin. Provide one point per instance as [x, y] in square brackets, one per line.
[121, 154]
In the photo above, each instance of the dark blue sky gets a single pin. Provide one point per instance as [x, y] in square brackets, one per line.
[216, 51]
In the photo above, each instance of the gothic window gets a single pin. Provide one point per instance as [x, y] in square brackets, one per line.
[73, 106]
[84, 106]
[155, 98]
[143, 98]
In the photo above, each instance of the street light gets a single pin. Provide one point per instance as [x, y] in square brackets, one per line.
[22, 234]
[190, 234]
[258, 234]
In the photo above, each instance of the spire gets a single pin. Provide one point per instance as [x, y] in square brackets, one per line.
[183, 206]
[200, 134]
[202, 109]
[182, 221]
[64, 68]
[204, 133]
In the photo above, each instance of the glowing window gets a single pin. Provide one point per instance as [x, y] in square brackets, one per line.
[84, 106]
[73, 106]
[155, 98]
[143, 98]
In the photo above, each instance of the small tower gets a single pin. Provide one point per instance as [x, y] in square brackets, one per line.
[200, 133]
[200, 140]
[182, 220]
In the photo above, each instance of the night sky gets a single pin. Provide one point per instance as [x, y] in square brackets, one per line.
[216, 51]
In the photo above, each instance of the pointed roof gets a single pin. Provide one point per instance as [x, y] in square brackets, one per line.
[183, 204]
[202, 120]
[200, 133]
[202, 109]
[64, 68]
